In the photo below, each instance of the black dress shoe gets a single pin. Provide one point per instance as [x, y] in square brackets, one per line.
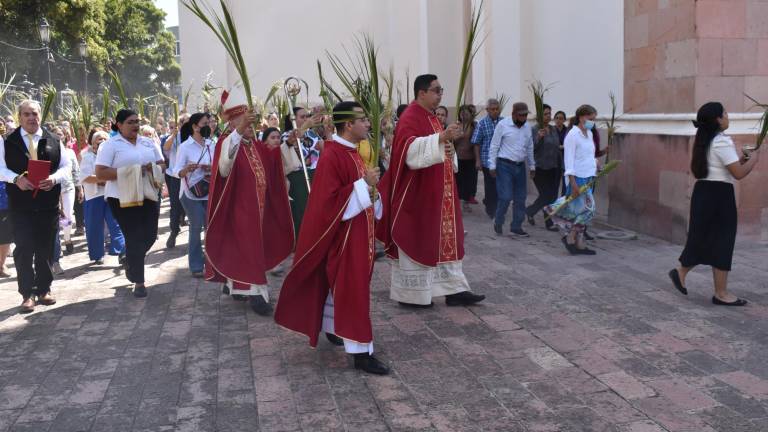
[416, 306]
[497, 229]
[140, 291]
[675, 276]
[531, 220]
[464, 298]
[368, 363]
[332, 338]
[171, 242]
[260, 306]
[379, 255]
[519, 232]
[225, 289]
[737, 302]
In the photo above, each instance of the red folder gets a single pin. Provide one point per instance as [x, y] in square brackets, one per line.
[37, 171]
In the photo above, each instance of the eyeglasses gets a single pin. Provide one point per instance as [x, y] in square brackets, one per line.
[437, 90]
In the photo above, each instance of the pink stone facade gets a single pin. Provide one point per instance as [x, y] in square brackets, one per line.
[680, 54]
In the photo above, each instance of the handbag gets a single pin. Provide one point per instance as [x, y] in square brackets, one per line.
[202, 187]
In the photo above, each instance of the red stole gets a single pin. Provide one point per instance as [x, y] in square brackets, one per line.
[421, 207]
[331, 254]
[249, 229]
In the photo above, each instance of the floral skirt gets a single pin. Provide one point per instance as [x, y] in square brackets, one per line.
[575, 215]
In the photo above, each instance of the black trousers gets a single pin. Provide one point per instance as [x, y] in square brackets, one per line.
[490, 198]
[547, 182]
[79, 218]
[466, 179]
[34, 233]
[139, 227]
[177, 211]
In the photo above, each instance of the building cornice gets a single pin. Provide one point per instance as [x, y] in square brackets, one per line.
[679, 124]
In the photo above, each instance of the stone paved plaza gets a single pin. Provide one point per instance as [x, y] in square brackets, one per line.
[561, 344]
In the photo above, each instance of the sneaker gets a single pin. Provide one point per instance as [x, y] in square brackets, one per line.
[139, 291]
[497, 229]
[519, 232]
[56, 267]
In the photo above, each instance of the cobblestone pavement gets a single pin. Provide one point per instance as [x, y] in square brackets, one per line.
[561, 344]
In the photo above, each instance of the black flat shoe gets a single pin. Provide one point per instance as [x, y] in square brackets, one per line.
[675, 276]
[464, 298]
[260, 306]
[139, 291]
[585, 251]
[332, 338]
[370, 364]
[416, 306]
[531, 220]
[569, 247]
[737, 302]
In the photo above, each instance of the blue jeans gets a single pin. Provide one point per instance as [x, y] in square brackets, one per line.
[511, 186]
[97, 212]
[195, 210]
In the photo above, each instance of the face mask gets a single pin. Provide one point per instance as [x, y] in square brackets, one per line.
[205, 131]
[589, 124]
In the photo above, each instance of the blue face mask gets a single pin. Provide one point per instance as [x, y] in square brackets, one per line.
[589, 124]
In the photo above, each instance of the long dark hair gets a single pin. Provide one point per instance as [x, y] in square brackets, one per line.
[707, 128]
[186, 129]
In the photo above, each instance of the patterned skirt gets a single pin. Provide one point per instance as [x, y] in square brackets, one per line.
[575, 215]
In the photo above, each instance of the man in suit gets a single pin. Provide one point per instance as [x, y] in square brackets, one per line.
[34, 214]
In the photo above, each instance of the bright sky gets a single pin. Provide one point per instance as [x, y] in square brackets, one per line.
[171, 8]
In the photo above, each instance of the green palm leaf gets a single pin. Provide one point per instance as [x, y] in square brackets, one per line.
[119, 86]
[49, 97]
[471, 48]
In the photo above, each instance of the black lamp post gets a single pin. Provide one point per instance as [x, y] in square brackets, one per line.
[45, 38]
[82, 47]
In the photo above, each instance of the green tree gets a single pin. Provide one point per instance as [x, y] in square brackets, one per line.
[126, 35]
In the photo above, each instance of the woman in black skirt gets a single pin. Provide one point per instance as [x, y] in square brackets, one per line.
[712, 226]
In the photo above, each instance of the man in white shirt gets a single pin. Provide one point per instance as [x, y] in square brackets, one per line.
[34, 208]
[511, 148]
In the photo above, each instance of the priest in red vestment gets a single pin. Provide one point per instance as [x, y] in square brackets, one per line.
[422, 228]
[250, 229]
[327, 289]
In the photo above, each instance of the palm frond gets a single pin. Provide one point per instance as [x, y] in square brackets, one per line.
[359, 74]
[763, 128]
[503, 100]
[106, 104]
[119, 86]
[226, 31]
[5, 84]
[610, 126]
[329, 96]
[539, 90]
[49, 97]
[470, 50]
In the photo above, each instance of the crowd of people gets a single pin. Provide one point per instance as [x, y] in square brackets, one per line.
[252, 194]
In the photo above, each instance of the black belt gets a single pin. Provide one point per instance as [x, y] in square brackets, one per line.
[511, 161]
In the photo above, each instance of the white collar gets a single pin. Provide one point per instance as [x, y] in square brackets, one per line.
[38, 133]
[343, 142]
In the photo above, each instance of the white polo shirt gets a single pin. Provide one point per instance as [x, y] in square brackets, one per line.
[118, 152]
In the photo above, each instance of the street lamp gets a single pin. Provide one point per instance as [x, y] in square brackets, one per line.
[45, 38]
[82, 47]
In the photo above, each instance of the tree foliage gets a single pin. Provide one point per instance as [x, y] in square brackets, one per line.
[128, 36]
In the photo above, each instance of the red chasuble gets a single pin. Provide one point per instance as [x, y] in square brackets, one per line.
[249, 228]
[421, 207]
[331, 254]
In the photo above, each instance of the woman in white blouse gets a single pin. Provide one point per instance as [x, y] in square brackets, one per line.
[95, 207]
[138, 223]
[580, 168]
[193, 161]
[713, 218]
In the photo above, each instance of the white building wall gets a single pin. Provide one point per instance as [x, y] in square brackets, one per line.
[577, 45]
